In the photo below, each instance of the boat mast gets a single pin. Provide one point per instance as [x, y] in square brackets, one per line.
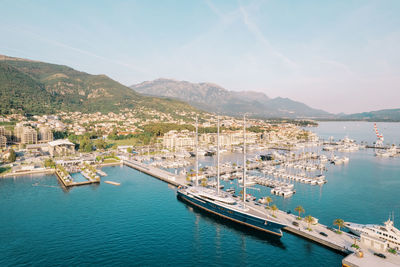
[197, 154]
[244, 159]
[218, 155]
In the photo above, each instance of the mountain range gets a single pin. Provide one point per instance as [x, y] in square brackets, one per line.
[214, 98]
[33, 87]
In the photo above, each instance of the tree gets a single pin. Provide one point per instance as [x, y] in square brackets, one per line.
[85, 144]
[274, 208]
[49, 163]
[309, 220]
[100, 143]
[129, 150]
[300, 210]
[12, 157]
[60, 135]
[268, 200]
[339, 223]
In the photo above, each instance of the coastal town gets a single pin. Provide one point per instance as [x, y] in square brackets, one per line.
[200, 133]
[38, 139]
[75, 146]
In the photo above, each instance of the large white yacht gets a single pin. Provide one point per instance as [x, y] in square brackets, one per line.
[385, 232]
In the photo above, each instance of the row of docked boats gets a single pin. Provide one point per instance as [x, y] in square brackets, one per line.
[300, 177]
[344, 145]
[278, 188]
[308, 166]
[271, 182]
[386, 153]
[283, 191]
[171, 164]
[339, 160]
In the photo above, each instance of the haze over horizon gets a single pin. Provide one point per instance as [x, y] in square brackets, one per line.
[339, 56]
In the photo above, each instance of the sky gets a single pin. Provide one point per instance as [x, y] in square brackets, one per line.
[339, 56]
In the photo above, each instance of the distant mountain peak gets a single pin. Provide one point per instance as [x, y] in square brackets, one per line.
[213, 97]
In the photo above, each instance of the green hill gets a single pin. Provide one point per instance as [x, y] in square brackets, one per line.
[378, 115]
[19, 92]
[36, 87]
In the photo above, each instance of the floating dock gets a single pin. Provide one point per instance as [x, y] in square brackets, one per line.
[111, 182]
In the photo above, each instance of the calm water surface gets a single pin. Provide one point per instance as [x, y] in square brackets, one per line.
[142, 223]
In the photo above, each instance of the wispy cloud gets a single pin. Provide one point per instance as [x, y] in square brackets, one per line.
[255, 30]
[338, 65]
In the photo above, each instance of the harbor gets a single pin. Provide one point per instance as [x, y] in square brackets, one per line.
[340, 242]
[296, 169]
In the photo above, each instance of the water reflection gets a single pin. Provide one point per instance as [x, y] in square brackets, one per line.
[242, 230]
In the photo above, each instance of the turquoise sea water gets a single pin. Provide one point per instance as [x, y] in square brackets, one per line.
[141, 223]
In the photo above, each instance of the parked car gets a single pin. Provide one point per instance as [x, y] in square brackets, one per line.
[380, 255]
[295, 223]
[323, 234]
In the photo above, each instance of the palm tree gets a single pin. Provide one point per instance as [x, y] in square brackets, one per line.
[300, 210]
[274, 208]
[268, 200]
[309, 220]
[339, 223]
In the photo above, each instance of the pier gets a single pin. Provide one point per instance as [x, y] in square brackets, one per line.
[176, 180]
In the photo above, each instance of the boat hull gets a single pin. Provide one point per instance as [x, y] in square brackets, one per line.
[233, 215]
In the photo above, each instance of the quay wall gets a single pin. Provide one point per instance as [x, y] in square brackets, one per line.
[305, 235]
[110, 164]
[12, 174]
[61, 179]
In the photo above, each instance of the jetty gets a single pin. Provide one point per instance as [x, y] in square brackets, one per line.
[318, 233]
[101, 173]
[176, 180]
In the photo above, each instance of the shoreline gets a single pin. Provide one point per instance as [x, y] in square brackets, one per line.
[51, 171]
[15, 174]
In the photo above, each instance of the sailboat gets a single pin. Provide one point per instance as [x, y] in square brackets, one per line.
[223, 204]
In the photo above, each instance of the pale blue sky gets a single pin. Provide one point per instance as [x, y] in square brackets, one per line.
[340, 56]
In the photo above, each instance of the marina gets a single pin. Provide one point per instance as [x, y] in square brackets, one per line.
[200, 133]
[263, 174]
[342, 242]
